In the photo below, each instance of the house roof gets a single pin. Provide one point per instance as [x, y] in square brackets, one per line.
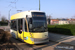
[71, 19]
[54, 19]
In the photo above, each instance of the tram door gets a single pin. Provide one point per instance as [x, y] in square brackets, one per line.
[20, 28]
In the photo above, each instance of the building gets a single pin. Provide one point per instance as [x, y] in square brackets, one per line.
[54, 21]
[71, 21]
[60, 21]
[63, 21]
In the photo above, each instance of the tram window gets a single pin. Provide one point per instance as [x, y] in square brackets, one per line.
[30, 20]
[13, 25]
[25, 27]
[20, 23]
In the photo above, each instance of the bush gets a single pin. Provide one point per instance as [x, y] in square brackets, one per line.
[62, 29]
[3, 23]
[4, 36]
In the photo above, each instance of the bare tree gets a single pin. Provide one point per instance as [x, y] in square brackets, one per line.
[0, 16]
[3, 18]
[73, 17]
[48, 18]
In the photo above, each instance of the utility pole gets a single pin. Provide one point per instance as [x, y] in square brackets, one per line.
[9, 18]
[0, 16]
[9, 14]
[39, 4]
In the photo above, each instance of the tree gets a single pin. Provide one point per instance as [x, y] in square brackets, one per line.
[0, 16]
[3, 19]
[48, 19]
[49, 16]
[73, 17]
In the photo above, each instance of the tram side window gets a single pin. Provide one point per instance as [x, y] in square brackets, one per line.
[20, 23]
[13, 25]
[25, 27]
[30, 20]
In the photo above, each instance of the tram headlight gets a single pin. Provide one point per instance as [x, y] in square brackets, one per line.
[26, 38]
[32, 39]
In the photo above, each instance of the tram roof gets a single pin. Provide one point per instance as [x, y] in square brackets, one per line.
[23, 14]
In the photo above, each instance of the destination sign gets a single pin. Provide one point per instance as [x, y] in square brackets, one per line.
[38, 15]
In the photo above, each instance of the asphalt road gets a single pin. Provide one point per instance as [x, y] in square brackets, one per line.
[51, 45]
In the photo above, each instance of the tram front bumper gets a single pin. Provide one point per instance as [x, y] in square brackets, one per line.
[39, 40]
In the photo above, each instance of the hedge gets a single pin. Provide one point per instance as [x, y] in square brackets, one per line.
[62, 29]
[3, 23]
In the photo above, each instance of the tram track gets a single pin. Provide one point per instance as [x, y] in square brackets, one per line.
[25, 46]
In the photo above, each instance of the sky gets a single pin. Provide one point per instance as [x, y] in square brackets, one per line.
[54, 8]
